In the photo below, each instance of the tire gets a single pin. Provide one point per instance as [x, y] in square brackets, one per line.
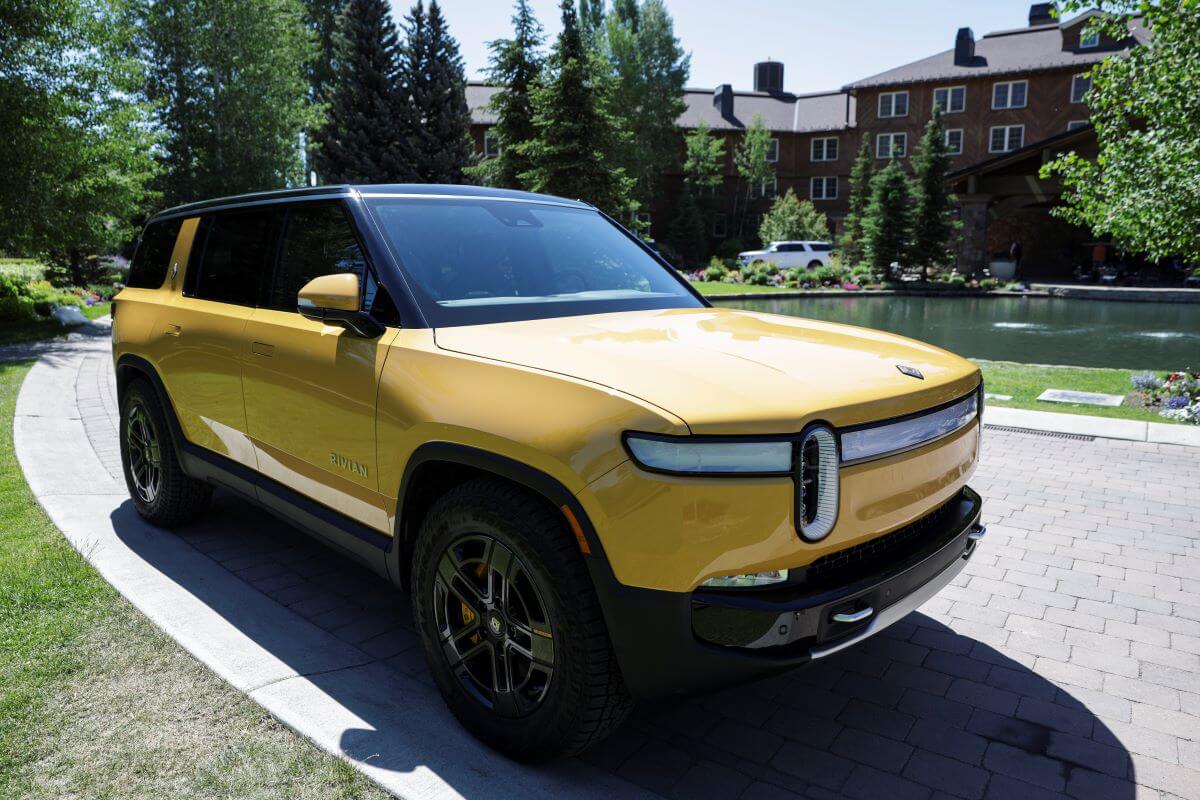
[583, 699]
[165, 496]
[814, 264]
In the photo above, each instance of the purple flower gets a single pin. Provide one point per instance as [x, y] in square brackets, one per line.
[1178, 401]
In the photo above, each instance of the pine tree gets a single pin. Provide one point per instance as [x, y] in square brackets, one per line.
[515, 67]
[359, 142]
[750, 159]
[435, 123]
[591, 22]
[888, 220]
[572, 153]
[934, 223]
[702, 176]
[851, 245]
[791, 218]
[650, 70]
[689, 228]
[320, 17]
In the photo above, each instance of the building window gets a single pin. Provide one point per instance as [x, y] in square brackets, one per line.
[1010, 95]
[825, 148]
[491, 145]
[1005, 138]
[1079, 87]
[767, 188]
[824, 188]
[719, 226]
[954, 141]
[1076, 124]
[891, 145]
[1089, 38]
[893, 104]
[952, 99]
[773, 151]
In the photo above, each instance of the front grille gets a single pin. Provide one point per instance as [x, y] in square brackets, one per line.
[844, 566]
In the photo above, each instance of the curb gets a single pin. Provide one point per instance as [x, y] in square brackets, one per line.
[389, 726]
[1087, 425]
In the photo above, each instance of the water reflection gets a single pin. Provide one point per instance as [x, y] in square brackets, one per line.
[1086, 333]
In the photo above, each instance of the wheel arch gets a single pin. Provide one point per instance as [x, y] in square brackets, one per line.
[128, 369]
[435, 467]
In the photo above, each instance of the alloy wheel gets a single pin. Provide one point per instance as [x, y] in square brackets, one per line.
[495, 631]
[144, 453]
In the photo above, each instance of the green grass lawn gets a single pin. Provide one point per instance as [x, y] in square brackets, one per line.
[97, 702]
[717, 287]
[16, 332]
[1026, 381]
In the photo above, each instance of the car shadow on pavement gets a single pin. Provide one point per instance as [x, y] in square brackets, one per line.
[917, 710]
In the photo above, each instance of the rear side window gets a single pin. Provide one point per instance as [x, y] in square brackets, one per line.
[318, 240]
[824, 247]
[148, 269]
[791, 248]
[234, 263]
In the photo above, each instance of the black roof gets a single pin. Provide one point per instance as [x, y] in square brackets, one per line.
[366, 190]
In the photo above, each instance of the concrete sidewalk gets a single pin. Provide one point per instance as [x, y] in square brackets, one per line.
[1064, 661]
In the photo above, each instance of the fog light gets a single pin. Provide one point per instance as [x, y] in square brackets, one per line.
[747, 581]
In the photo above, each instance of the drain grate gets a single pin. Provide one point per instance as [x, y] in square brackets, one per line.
[1077, 437]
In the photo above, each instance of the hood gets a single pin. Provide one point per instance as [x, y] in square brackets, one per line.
[725, 371]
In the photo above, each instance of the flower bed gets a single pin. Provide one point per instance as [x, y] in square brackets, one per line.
[1176, 395]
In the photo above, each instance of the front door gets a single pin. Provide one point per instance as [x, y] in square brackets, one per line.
[310, 388]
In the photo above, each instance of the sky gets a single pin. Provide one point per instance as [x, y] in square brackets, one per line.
[822, 45]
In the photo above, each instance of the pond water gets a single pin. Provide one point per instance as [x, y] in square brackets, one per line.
[1033, 330]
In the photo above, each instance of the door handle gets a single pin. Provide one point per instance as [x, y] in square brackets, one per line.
[172, 329]
[262, 349]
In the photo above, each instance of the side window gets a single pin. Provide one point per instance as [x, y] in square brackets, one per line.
[235, 260]
[148, 269]
[317, 240]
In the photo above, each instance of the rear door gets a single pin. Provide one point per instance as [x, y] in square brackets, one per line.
[310, 388]
[203, 345]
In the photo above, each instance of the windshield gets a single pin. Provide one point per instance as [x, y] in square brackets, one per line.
[474, 260]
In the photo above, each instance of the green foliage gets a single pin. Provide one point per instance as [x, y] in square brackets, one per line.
[716, 270]
[934, 221]
[77, 162]
[703, 164]
[23, 300]
[360, 141]
[851, 246]
[791, 218]
[888, 219]
[515, 66]
[688, 234]
[577, 138]
[702, 176]
[750, 160]
[1142, 190]
[759, 273]
[989, 284]
[729, 248]
[229, 77]
[649, 70]
[434, 123]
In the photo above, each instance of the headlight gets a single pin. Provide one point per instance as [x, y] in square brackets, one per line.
[747, 581]
[692, 456]
[889, 438]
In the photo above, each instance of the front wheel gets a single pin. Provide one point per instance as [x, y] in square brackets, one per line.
[511, 625]
[814, 264]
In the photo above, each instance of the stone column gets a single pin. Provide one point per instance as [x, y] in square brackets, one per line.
[972, 248]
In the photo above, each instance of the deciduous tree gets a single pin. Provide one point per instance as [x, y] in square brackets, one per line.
[1144, 188]
[750, 159]
[791, 218]
[703, 174]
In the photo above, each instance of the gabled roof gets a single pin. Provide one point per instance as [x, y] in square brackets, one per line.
[824, 111]
[1038, 47]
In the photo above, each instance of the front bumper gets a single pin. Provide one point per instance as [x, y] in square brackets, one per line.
[673, 643]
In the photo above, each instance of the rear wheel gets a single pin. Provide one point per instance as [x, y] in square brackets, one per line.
[814, 264]
[511, 625]
[161, 492]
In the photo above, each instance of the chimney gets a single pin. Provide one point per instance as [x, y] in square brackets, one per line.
[768, 77]
[964, 47]
[723, 100]
[1041, 14]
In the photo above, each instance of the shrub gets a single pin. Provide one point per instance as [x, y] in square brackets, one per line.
[16, 303]
[957, 281]
[760, 273]
[1014, 286]
[989, 284]
[729, 248]
[716, 270]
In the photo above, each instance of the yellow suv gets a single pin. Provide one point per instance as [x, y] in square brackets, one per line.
[595, 486]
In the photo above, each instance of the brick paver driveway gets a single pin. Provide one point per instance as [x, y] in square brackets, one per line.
[1065, 660]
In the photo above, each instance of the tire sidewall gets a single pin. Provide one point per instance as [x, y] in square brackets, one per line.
[522, 736]
[138, 393]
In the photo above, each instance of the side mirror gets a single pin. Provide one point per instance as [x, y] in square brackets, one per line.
[333, 299]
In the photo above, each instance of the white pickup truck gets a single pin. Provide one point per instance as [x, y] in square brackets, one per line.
[790, 254]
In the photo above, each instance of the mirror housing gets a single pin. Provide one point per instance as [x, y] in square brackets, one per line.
[333, 300]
